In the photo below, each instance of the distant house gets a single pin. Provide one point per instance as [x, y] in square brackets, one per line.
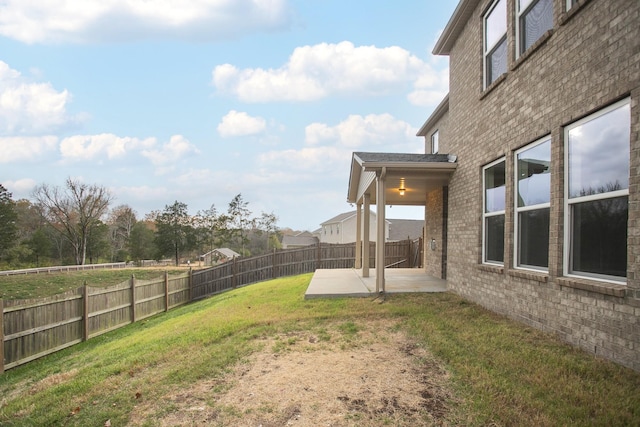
[299, 240]
[403, 229]
[342, 228]
[218, 256]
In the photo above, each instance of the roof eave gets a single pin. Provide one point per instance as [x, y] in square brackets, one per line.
[454, 27]
[437, 114]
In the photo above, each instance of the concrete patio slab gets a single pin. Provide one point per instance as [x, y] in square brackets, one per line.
[348, 282]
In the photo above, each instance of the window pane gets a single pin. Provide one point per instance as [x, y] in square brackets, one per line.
[522, 4]
[533, 238]
[599, 237]
[599, 154]
[535, 22]
[495, 24]
[435, 142]
[497, 62]
[534, 175]
[494, 238]
[494, 194]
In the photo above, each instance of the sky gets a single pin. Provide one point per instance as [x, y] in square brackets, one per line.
[197, 101]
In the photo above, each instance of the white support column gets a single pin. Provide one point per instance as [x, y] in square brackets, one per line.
[366, 235]
[358, 263]
[380, 235]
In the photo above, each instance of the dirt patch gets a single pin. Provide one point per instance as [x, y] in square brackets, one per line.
[343, 375]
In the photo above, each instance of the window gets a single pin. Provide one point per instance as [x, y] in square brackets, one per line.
[495, 42]
[493, 184]
[597, 193]
[535, 17]
[533, 184]
[434, 142]
[571, 3]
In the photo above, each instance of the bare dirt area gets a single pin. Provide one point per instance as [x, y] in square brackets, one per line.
[364, 374]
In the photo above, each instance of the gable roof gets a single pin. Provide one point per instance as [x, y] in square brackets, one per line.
[454, 27]
[343, 217]
[299, 240]
[418, 173]
[401, 229]
[437, 114]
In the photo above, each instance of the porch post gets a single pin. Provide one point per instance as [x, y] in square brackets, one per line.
[380, 235]
[358, 263]
[365, 232]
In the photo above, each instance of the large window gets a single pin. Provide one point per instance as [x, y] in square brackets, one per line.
[495, 42]
[435, 137]
[535, 17]
[493, 183]
[533, 183]
[597, 192]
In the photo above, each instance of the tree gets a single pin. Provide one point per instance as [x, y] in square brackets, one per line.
[121, 221]
[268, 224]
[8, 217]
[141, 243]
[74, 211]
[239, 221]
[174, 232]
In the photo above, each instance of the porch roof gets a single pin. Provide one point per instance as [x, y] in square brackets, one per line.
[415, 173]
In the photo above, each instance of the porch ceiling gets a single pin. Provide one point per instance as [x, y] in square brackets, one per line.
[416, 173]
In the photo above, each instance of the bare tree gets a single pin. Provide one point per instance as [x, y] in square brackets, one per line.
[73, 211]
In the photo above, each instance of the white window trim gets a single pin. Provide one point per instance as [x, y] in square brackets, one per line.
[435, 134]
[568, 202]
[519, 13]
[486, 215]
[517, 210]
[487, 49]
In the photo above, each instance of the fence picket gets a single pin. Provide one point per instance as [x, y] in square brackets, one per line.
[1, 336]
[33, 328]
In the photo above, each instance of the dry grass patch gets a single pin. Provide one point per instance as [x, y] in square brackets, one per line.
[365, 374]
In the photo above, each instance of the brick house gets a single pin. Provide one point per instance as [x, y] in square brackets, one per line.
[540, 218]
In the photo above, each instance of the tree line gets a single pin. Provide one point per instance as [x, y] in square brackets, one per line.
[75, 224]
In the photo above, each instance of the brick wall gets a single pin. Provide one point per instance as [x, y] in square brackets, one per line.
[590, 60]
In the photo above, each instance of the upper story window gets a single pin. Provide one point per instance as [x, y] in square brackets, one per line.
[571, 3]
[435, 142]
[532, 204]
[493, 200]
[495, 42]
[535, 17]
[597, 193]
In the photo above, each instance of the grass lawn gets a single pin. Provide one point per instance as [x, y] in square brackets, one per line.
[46, 284]
[501, 373]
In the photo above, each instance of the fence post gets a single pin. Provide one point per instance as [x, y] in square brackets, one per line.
[166, 291]
[274, 268]
[85, 301]
[318, 257]
[133, 299]
[234, 269]
[190, 284]
[1, 336]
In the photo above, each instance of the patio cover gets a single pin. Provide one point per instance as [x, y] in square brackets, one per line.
[401, 179]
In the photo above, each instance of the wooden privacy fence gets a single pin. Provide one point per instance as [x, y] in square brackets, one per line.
[33, 328]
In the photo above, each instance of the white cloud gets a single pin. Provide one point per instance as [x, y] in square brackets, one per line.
[241, 124]
[373, 130]
[315, 72]
[20, 188]
[86, 21]
[25, 149]
[177, 147]
[87, 147]
[30, 108]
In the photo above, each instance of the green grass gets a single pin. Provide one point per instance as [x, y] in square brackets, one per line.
[501, 372]
[43, 285]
